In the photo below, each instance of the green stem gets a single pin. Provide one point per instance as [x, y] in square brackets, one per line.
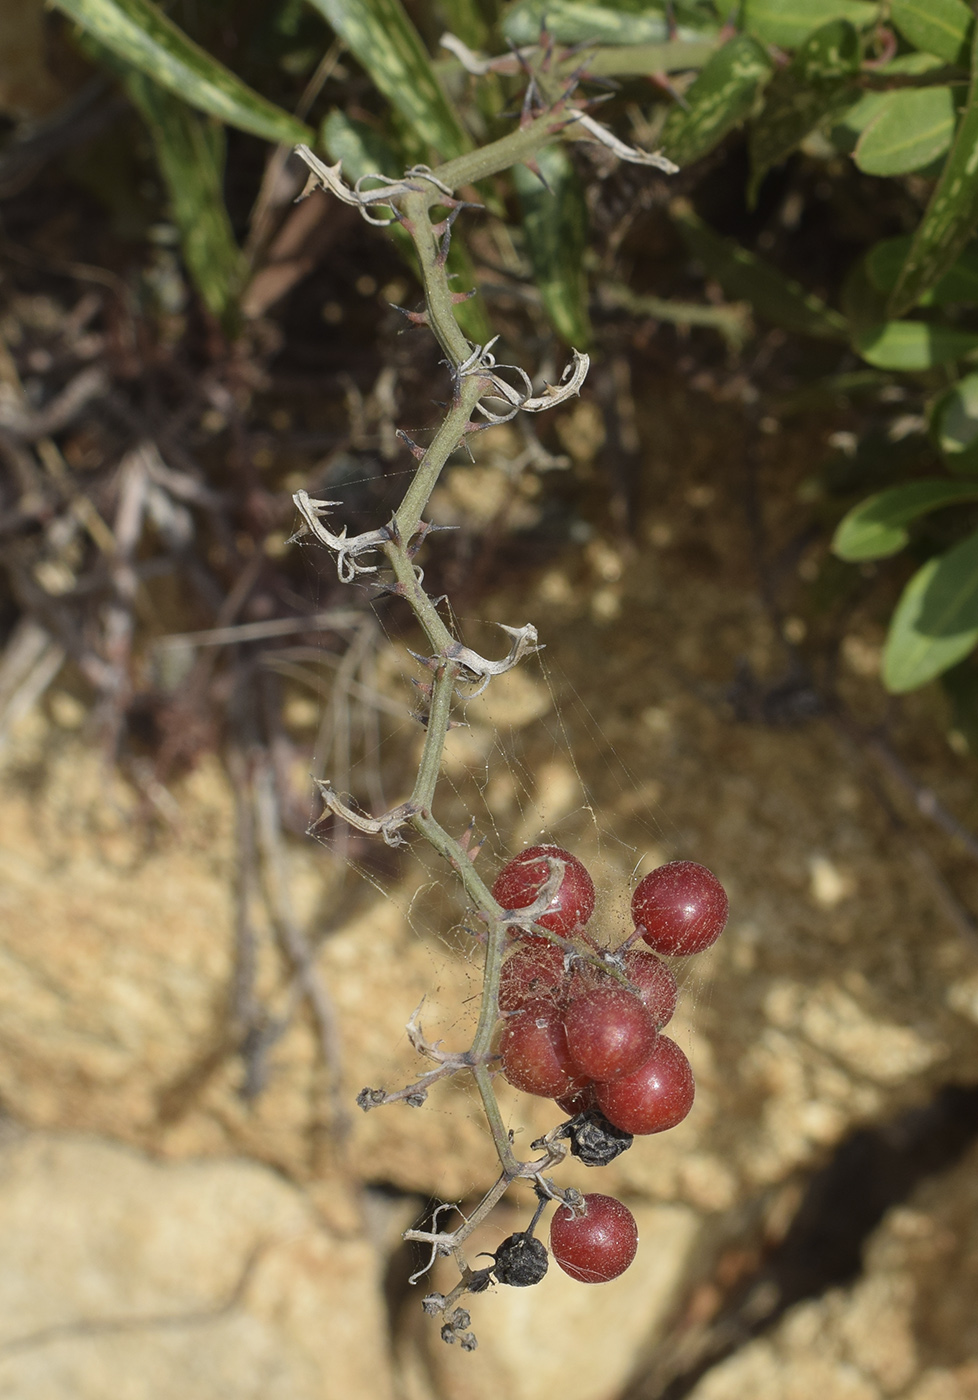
[500, 155]
[444, 443]
[475, 887]
[439, 715]
[500, 1135]
[481, 896]
[414, 209]
[410, 589]
[437, 288]
[627, 60]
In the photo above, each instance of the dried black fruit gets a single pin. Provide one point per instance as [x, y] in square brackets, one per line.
[520, 1261]
[596, 1141]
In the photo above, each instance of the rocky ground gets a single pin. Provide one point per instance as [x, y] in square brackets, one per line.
[809, 1230]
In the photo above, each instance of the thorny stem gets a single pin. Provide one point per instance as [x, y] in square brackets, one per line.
[439, 715]
[444, 443]
[414, 210]
[411, 202]
[500, 155]
[449, 1242]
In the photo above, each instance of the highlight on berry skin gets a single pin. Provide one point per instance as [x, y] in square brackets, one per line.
[581, 1022]
[585, 1029]
[598, 1245]
[681, 908]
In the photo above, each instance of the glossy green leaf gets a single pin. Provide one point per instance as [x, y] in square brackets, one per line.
[955, 424]
[555, 225]
[381, 36]
[936, 621]
[951, 216]
[140, 34]
[749, 278]
[815, 86]
[720, 98]
[790, 22]
[643, 60]
[190, 155]
[577, 22]
[885, 260]
[913, 345]
[855, 121]
[877, 526]
[941, 27]
[910, 130]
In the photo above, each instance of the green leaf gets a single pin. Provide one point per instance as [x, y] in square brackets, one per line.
[139, 33]
[815, 87]
[941, 27]
[720, 98]
[877, 526]
[361, 150]
[789, 22]
[955, 424]
[644, 60]
[913, 345]
[936, 621]
[951, 216]
[959, 284]
[383, 39]
[190, 155]
[910, 130]
[577, 22]
[556, 228]
[747, 277]
[466, 19]
[861, 113]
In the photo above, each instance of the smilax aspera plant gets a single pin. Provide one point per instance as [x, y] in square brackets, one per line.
[579, 1024]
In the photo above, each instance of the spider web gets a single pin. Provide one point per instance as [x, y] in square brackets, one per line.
[529, 763]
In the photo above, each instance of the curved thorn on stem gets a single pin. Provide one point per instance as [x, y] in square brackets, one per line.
[633, 154]
[388, 826]
[347, 551]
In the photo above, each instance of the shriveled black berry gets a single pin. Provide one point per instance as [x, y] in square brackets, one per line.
[520, 1261]
[596, 1141]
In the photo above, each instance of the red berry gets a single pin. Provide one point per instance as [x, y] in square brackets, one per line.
[579, 1101]
[681, 907]
[520, 881]
[534, 1051]
[597, 1246]
[653, 982]
[530, 972]
[656, 1096]
[609, 1032]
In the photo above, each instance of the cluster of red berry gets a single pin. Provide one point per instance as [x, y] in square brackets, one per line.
[587, 1033]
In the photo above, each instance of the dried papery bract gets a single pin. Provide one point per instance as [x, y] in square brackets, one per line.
[483, 392]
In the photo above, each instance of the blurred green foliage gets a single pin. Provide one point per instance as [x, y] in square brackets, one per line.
[890, 88]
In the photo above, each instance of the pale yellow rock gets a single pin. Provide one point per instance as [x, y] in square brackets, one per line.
[907, 1328]
[760, 1373]
[125, 1277]
[959, 1383]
